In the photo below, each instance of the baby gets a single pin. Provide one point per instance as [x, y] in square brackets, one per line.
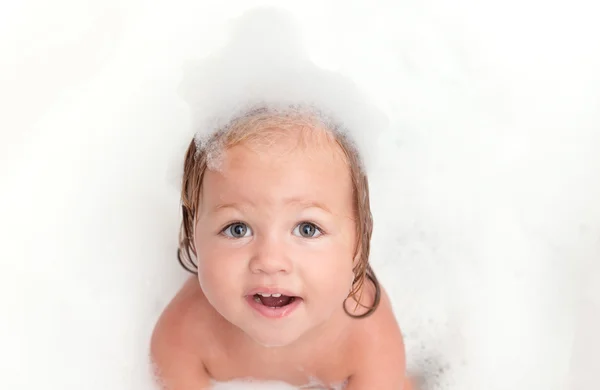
[277, 227]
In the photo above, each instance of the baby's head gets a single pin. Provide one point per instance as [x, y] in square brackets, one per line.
[277, 203]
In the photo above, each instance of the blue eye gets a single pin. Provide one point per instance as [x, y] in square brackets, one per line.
[308, 230]
[236, 230]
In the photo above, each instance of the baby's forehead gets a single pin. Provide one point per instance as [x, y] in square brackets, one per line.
[304, 139]
[275, 136]
[272, 179]
[305, 152]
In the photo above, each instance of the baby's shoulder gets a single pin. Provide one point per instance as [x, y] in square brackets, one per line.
[179, 330]
[185, 311]
[178, 344]
[377, 332]
[379, 348]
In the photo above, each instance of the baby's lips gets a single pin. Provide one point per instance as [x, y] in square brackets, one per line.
[273, 290]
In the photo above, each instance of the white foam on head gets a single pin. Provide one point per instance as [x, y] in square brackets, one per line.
[276, 74]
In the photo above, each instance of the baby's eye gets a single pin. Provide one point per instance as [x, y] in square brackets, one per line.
[236, 230]
[308, 230]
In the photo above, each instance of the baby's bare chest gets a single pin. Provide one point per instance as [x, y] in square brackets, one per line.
[324, 369]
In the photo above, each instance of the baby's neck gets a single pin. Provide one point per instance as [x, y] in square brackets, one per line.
[333, 331]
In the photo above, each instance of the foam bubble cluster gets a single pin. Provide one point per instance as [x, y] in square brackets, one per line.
[277, 75]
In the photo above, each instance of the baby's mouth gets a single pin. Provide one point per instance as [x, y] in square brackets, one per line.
[274, 300]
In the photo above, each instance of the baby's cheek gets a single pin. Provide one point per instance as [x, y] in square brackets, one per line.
[217, 286]
[332, 283]
[212, 268]
[210, 274]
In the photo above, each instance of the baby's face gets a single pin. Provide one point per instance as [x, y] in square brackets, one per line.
[277, 219]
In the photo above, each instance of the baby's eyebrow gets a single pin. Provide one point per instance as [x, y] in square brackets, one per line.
[303, 202]
[221, 206]
[306, 203]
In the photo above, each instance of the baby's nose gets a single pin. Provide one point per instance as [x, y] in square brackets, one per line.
[270, 257]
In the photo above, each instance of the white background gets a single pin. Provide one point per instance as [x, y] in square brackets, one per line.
[486, 199]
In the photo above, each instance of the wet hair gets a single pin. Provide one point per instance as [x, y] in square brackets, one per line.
[259, 125]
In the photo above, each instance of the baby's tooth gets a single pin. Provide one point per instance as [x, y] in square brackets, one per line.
[276, 295]
[264, 295]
